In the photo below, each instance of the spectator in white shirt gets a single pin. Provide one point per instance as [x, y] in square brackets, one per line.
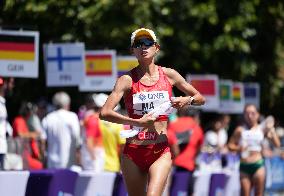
[216, 138]
[5, 127]
[62, 133]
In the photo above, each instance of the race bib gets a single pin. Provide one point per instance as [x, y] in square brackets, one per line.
[144, 102]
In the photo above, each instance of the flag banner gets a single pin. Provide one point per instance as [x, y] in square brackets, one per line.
[252, 93]
[98, 65]
[208, 86]
[19, 53]
[225, 95]
[125, 64]
[64, 63]
[238, 99]
[100, 71]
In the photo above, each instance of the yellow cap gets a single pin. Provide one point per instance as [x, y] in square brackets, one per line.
[143, 32]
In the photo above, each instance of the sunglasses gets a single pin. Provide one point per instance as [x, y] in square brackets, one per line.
[146, 42]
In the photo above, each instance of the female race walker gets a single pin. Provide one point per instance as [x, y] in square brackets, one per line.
[146, 159]
[247, 139]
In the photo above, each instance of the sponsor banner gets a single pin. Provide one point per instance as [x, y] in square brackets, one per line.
[274, 174]
[91, 183]
[238, 99]
[208, 86]
[100, 71]
[252, 93]
[19, 51]
[64, 63]
[225, 95]
[125, 64]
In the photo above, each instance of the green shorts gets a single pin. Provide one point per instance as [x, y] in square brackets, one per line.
[251, 168]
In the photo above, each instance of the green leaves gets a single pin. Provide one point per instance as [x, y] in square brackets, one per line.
[235, 39]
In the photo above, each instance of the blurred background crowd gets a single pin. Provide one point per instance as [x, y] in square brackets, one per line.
[46, 134]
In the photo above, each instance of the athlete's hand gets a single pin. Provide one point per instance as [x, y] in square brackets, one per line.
[179, 102]
[147, 120]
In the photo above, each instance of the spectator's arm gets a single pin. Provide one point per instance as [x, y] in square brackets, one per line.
[273, 137]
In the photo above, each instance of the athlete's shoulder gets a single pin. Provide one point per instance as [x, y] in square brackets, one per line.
[125, 78]
[171, 73]
[124, 82]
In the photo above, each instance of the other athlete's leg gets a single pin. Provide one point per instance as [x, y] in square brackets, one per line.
[245, 184]
[259, 181]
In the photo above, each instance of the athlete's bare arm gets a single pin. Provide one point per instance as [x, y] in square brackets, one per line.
[122, 86]
[177, 80]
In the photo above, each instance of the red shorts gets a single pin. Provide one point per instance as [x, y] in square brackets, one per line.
[145, 155]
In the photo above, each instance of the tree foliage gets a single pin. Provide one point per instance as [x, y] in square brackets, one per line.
[240, 40]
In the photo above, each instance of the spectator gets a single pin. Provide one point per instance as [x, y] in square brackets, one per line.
[216, 138]
[33, 119]
[5, 127]
[61, 134]
[31, 153]
[112, 142]
[189, 136]
[280, 132]
[92, 150]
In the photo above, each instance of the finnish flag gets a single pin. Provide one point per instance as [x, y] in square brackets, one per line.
[64, 64]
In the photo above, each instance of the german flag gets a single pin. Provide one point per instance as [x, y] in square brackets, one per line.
[99, 65]
[16, 47]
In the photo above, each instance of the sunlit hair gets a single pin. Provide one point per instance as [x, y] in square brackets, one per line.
[61, 100]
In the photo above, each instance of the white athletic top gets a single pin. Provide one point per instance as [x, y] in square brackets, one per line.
[252, 139]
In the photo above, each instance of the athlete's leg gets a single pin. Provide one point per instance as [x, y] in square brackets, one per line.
[245, 184]
[134, 178]
[259, 181]
[158, 174]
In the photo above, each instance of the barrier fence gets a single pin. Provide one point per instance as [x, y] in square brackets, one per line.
[64, 182]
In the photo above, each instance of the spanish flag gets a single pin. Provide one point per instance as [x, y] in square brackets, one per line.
[205, 87]
[17, 47]
[98, 65]
[125, 64]
[236, 93]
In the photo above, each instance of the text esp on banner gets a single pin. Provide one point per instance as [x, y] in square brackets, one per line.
[125, 64]
[19, 53]
[64, 64]
[208, 86]
[100, 71]
[252, 93]
[225, 94]
[238, 99]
